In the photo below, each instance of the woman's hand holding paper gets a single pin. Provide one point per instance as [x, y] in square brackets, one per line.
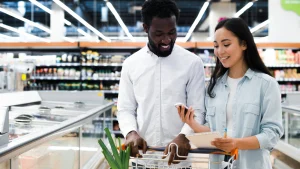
[225, 144]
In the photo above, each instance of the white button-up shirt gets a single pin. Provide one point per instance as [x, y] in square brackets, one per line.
[149, 88]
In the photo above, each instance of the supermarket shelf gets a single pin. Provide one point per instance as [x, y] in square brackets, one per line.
[279, 80]
[283, 65]
[112, 44]
[53, 78]
[38, 45]
[209, 64]
[101, 78]
[110, 91]
[102, 64]
[72, 78]
[78, 64]
[206, 45]
[286, 92]
[119, 45]
[128, 44]
[104, 91]
[106, 119]
[288, 80]
[273, 65]
[58, 64]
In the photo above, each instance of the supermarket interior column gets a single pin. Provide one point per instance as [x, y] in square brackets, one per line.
[57, 23]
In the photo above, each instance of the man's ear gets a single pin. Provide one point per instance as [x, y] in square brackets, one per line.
[146, 28]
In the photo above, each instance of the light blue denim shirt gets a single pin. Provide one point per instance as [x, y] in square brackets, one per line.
[256, 112]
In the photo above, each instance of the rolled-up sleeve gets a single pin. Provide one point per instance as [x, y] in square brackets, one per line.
[271, 123]
[195, 94]
[126, 103]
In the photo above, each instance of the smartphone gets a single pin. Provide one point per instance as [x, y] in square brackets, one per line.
[185, 107]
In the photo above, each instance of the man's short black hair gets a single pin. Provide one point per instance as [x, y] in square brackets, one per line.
[160, 9]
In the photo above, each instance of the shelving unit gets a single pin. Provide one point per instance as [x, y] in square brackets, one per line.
[125, 48]
[104, 76]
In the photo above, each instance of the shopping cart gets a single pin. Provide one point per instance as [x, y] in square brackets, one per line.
[155, 161]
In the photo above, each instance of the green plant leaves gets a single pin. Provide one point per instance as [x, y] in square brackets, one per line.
[116, 160]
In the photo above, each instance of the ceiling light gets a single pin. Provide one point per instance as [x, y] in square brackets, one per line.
[257, 27]
[6, 37]
[67, 22]
[241, 11]
[67, 9]
[192, 28]
[49, 11]
[42, 6]
[82, 32]
[117, 16]
[23, 33]
[8, 12]
[69, 39]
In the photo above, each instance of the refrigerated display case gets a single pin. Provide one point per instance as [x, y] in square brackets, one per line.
[54, 129]
[290, 142]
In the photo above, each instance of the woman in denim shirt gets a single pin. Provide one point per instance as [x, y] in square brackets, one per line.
[242, 97]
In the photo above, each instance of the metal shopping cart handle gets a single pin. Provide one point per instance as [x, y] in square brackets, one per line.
[198, 150]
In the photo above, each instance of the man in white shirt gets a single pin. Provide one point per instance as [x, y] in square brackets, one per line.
[155, 78]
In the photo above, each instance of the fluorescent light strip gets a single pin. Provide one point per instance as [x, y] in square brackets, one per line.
[67, 9]
[82, 32]
[192, 28]
[67, 22]
[25, 20]
[42, 6]
[6, 37]
[23, 33]
[117, 16]
[257, 27]
[69, 39]
[49, 11]
[241, 11]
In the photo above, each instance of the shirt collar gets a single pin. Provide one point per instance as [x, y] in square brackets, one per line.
[249, 74]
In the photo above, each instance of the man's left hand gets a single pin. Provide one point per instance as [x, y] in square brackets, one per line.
[183, 149]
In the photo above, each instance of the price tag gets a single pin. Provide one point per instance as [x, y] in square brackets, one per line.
[23, 77]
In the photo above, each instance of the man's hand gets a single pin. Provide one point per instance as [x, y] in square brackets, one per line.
[183, 149]
[135, 142]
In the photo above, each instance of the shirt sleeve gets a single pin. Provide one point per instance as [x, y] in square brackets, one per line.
[271, 128]
[195, 94]
[127, 103]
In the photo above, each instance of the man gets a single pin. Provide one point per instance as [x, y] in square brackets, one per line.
[155, 78]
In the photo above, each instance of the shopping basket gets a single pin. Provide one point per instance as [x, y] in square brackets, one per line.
[154, 160]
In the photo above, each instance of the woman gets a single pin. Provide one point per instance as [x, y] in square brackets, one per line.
[242, 97]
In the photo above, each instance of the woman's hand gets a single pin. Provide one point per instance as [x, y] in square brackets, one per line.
[225, 144]
[186, 115]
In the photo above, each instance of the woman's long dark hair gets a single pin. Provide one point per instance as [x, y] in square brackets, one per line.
[240, 29]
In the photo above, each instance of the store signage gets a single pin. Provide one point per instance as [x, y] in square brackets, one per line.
[291, 5]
